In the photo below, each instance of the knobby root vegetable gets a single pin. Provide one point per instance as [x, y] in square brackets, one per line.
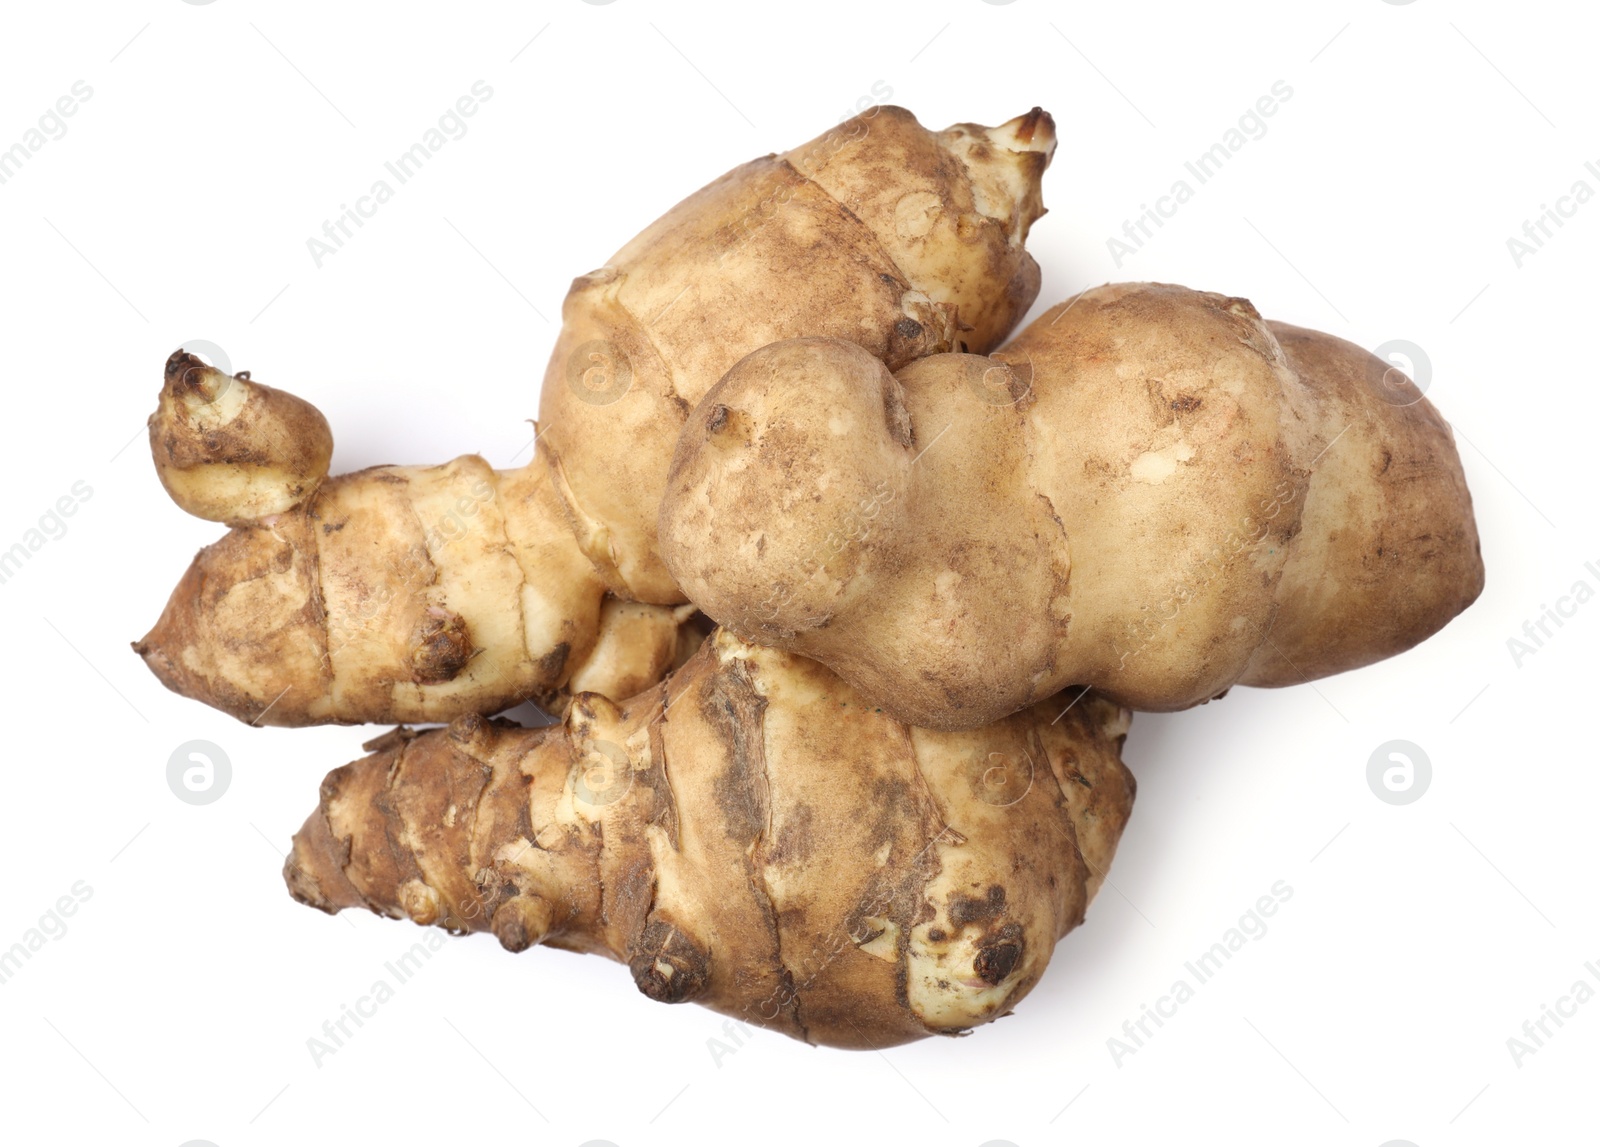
[751, 835]
[231, 450]
[1150, 491]
[900, 240]
[424, 593]
[428, 591]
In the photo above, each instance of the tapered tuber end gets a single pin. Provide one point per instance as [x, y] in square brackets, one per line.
[1006, 165]
[314, 868]
[1032, 131]
[351, 852]
[434, 828]
[951, 209]
[230, 450]
[243, 631]
[1004, 168]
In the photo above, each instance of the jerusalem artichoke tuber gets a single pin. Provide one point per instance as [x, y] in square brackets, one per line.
[750, 834]
[1150, 490]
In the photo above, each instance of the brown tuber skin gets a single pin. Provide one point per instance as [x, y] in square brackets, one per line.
[231, 450]
[425, 593]
[903, 241]
[422, 592]
[1150, 491]
[750, 835]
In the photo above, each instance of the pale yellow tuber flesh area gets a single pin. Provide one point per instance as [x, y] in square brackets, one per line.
[752, 835]
[1150, 490]
[426, 593]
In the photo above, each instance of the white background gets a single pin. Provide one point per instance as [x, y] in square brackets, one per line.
[1378, 205]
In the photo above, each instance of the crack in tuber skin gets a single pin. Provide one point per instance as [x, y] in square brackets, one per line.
[1150, 490]
[750, 835]
[424, 593]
